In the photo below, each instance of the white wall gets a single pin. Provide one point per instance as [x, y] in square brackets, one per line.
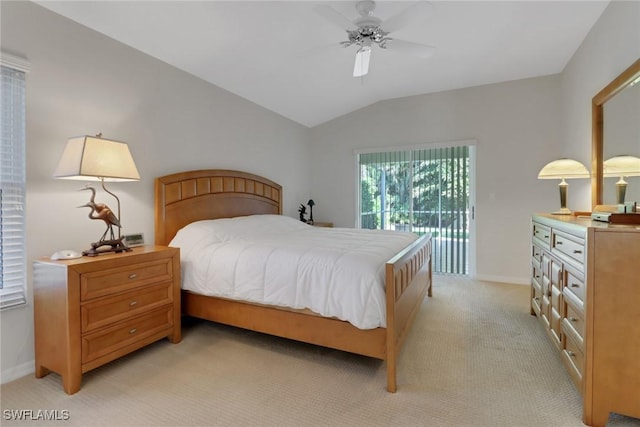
[517, 128]
[84, 83]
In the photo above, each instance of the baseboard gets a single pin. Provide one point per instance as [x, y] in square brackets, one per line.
[503, 279]
[19, 371]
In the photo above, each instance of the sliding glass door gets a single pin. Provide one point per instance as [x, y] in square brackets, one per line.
[424, 190]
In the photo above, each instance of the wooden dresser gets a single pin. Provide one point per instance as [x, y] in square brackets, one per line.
[92, 310]
[585, 289]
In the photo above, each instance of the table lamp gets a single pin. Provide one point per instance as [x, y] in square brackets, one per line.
[621, 166]
[563, 169]
[93, 158]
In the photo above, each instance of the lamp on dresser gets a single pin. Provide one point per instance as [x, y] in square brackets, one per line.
[620, 167]
[563, 169]
[93, 158]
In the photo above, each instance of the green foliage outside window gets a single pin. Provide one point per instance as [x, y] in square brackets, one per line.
[423, 189]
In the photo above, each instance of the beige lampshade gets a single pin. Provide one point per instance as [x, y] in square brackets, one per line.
[619, 166]
[92, 158]
[563, 169]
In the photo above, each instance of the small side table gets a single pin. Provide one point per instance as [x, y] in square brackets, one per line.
[92, 310]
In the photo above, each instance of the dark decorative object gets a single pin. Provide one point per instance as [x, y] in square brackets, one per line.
[104, 213]
[303, 211]
[310, 203]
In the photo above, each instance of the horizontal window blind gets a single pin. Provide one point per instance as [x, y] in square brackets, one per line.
[12, 188]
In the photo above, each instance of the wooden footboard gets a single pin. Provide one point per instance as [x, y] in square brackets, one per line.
[408, 279]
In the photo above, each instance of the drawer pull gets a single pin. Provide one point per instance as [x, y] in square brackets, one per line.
[133, 276]
[573, 319]
[133, 303]
[559, 242]
[571, 353]
[575, 285]
[577, 251]
[133, 331]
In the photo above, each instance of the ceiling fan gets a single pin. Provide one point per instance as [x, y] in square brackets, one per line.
[368, 31]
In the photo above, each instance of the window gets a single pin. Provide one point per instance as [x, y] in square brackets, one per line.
[12, 183]
[424, 190]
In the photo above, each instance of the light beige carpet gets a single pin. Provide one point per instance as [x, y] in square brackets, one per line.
[475, 357]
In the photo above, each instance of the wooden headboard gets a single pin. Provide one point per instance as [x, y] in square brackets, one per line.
[185, 197]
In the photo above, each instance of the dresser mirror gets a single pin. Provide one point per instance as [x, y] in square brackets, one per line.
[616, 131]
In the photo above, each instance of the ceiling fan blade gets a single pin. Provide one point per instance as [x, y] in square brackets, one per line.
[420, 10]
[415, 49]
[361, 66]
[335, 17]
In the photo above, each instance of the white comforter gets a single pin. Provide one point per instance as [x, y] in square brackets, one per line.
[278, 260]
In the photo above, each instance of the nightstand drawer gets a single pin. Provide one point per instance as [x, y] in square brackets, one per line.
[126, 333]
[108, 310]
[107, 282]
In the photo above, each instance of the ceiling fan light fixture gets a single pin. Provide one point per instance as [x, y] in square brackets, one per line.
[368, 31]
[361, 67]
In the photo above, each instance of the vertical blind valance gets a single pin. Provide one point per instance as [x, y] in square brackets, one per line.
[12, 183]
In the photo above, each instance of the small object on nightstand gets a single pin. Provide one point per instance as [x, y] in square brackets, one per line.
[133, 240]
[66, 254]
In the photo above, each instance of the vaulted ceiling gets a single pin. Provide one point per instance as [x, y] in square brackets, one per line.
[285, 56]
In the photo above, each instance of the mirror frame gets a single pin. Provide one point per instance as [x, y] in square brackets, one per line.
[597, 126]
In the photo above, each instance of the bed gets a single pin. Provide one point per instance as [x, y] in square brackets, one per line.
[186, 197]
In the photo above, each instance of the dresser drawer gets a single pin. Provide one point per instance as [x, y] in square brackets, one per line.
[536, 274]
[543, 234]
[107, 282]
[571, 246]
[544, 311]
[576, 286]
[574, 361]
[107, 340]
[536, 254]
[573, 325]
[104, 311]
[536, 297]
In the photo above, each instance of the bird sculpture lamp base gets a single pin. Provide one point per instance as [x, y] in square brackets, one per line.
[107, 246]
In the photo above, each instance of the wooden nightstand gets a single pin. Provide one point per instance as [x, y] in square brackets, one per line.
[92, 310]
[322, 224]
